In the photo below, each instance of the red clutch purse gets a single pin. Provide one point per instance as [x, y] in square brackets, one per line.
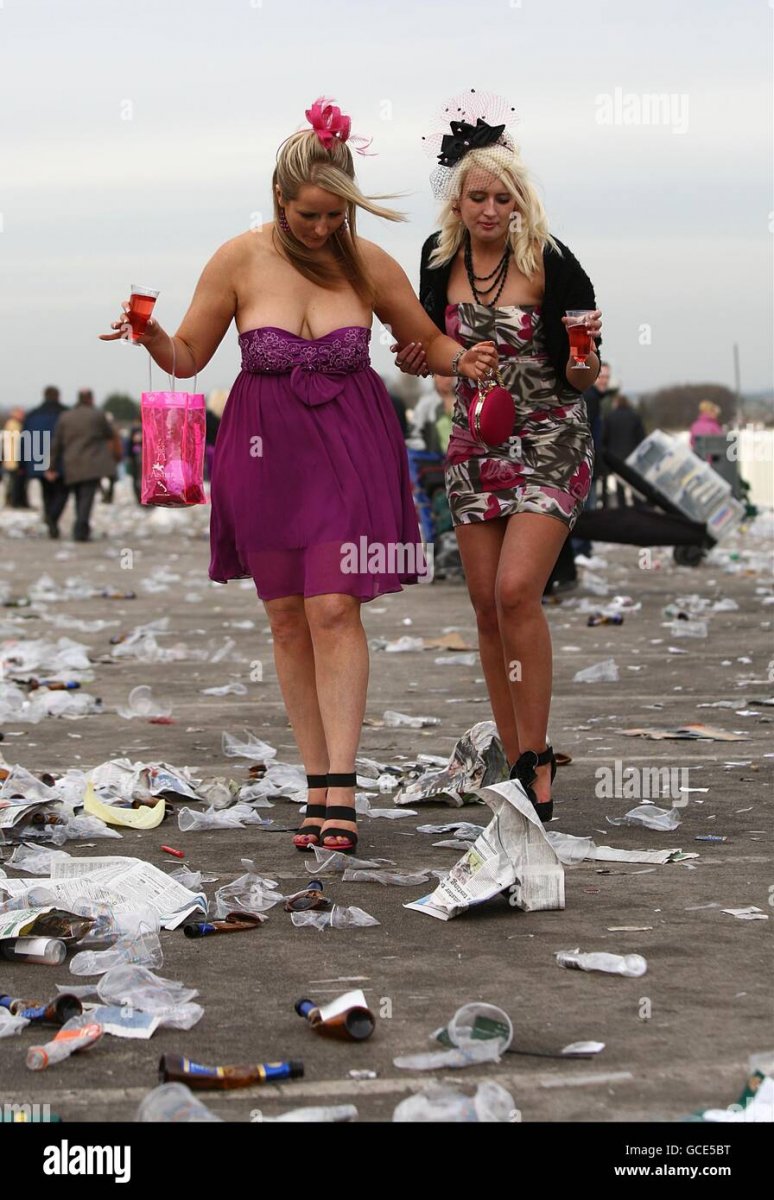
[491, 413]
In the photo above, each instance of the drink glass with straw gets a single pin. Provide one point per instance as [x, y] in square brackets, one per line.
[141, 302]
[580, 338]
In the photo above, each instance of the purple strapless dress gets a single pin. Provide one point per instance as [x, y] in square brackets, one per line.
[310, 462]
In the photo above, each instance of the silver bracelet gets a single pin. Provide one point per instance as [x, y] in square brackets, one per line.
[455, 362]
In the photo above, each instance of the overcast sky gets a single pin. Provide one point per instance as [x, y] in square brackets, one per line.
[139, 136]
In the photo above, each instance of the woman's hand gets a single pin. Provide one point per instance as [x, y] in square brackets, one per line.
[124, 329]
[479, 361]
[593, 323]
[411, 359]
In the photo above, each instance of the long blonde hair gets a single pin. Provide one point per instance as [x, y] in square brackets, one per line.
[528, 236]
[302, 159]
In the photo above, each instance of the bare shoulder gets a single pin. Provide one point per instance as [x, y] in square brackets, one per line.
[382, 267]
[232, 253]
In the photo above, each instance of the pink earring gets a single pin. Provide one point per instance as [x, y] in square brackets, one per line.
[284, 226]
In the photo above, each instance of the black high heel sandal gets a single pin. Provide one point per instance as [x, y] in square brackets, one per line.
[524, 770]
[305, 840]
[341, 812]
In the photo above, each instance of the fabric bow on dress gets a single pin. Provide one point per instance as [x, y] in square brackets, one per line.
[316, 387]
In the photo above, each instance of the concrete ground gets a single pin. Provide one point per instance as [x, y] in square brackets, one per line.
[676, 1039]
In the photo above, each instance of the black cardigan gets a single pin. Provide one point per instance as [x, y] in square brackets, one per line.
[567, 286]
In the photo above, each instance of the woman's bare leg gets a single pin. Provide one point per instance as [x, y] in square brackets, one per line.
[341, 670]
[294, 659]
[480, 549]
[530, 548]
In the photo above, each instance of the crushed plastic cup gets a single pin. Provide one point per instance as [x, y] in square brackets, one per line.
[80, 828]
[605, 671]
[112, 926]
[140, 988]
[327, 1113]
[477, 1022]
[435, 1060]
[399, 878]
[403, 644]
[174, 1102]
[398, 720]
[693, 629]
[193, 880]
[649, 816]
[35, 859]
[144, 949]
[10, 1023]
[337, 918]
[333, 862]
[249, 893]
[235, 817]
[252, 747]
[142, 703]
[631, 965]
[491, 1102]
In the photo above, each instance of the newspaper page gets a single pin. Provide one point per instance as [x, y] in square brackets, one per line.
[125, 884]
[14, 811]
[19, 921]
[659, 857]
[477, 760]
[512, 854]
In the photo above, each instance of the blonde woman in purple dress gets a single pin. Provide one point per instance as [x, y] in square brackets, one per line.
[309, 461]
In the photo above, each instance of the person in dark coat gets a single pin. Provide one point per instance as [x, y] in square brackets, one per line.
[41, 423]
[622, 432]
[84, 439]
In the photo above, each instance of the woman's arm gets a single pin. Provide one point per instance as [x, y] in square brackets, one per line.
[203, 327]
[579, 293]
[397, 307]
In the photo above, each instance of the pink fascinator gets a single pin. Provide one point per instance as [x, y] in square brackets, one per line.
[329, 122]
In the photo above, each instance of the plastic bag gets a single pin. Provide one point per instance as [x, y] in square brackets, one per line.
[173, 437]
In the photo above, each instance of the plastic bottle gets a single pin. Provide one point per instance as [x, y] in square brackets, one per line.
[49, 952]
[601, 619]
[173, 1102]
[74, 1035]
[631, 965]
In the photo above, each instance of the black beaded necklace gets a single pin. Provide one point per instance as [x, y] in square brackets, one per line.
[499, 274]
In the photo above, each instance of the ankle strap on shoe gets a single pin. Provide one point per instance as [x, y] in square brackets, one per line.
[342, 781]
[316, 781]
[530, 759]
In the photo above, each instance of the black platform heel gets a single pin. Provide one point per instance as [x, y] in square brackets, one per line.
[525, 771]
[341, 812]
[305, 840]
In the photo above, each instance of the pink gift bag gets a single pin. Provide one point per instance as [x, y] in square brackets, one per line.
[173, 440]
